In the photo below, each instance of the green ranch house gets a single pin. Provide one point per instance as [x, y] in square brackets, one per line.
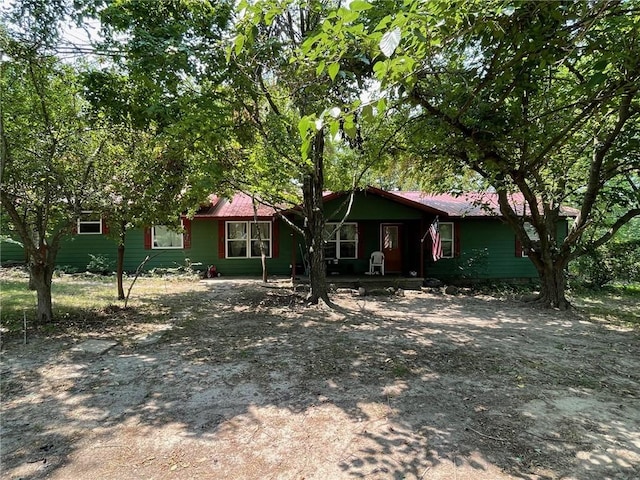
[476, 243]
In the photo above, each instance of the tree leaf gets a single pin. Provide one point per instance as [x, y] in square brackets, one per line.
[359, 6]
[367, 112]
[390, 41]
[380, 68]
[349, 126]
[334, 128]
[383, 23]
[239, 43]
[333, 70]
[303, 126]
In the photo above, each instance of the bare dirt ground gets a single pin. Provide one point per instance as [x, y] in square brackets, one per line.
[250, 384]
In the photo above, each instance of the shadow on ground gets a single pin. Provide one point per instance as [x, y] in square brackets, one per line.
[251, 384]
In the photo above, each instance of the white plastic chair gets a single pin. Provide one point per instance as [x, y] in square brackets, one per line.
[376, 261]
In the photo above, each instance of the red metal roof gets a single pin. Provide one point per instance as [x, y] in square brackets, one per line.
[465, 205]
[483, 204]
[479, 204]
[240, 206]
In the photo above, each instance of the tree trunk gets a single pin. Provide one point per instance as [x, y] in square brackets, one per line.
[265, 275]
[41, 274]
[263, 250]
[315, 247]
[313, 185]
[553, 284]
[120, 261]
[549, 260]
[120, 272]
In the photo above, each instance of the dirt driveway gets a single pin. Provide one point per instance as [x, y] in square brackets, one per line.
[250, 384]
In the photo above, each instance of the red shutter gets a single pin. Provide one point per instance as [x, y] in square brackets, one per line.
[74, 229]
[360, 240]
[518, 248]
[456, 239]
[147, 238]
[186, 236]
[105, 226]
[221, 233]
[275, 238]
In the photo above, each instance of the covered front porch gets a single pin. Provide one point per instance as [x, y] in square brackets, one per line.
[370, 224]
[369, 249]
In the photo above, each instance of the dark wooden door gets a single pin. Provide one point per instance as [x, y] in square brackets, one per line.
[391, 248]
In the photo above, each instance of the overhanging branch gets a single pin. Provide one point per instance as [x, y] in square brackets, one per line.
[611, 231]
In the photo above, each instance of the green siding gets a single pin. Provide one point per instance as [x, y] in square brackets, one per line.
[10, 252]
[487, 246]
[135, 253]
[75, 252]
[487, 251]
[369, 207]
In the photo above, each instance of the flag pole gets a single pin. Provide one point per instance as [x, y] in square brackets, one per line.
[430, 225]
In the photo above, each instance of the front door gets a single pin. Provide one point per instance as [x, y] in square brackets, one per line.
[391, 248]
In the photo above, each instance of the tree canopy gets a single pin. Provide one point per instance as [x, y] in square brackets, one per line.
[48, 152]
[275, 98]
[539, 98]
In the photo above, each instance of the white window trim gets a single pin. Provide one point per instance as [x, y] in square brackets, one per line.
[88, 222]
[153, 239]
[532, 233]
[337, 241]
[452, 239]
[248, 240]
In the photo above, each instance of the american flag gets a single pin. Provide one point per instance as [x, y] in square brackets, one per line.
[436, 244]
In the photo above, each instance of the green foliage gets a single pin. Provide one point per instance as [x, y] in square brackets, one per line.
[100, 264]
[473, 263]
[617, 262]
[592, 269]
[538, 98]
[166, 42]
[167, 96]
[48, 150]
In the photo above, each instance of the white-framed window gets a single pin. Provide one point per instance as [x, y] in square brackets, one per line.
[242, 241]
[89, 223]
[532, 233]
[341, 242]
[446, 239]
[163, 237]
